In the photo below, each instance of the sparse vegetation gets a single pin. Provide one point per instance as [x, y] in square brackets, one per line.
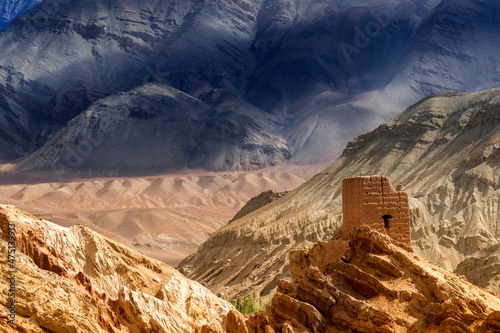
[249, 305]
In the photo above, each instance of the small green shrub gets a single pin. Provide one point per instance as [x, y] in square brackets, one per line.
[248, 305]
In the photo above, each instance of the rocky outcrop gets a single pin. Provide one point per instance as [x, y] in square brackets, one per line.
[361, 281]
[443, 150]
[72, 279]
[257, 202]
[483, 268]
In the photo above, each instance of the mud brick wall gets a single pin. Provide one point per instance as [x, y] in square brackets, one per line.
[367, 200]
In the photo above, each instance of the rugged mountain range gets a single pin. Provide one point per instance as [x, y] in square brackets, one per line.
[10, 9]
[113, 87]
[444, 150]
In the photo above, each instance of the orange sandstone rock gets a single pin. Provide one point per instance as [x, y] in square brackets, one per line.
[363, 281]
[75, 280]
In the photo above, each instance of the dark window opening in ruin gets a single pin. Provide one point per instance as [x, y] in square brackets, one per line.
[387, 220]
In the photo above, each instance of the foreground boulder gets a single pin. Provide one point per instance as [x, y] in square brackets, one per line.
[75, 280]
[362, 281]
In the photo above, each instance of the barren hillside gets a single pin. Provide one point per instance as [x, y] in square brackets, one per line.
[445, 152]
[127, 87]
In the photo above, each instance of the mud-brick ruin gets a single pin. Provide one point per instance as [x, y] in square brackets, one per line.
[372, 201]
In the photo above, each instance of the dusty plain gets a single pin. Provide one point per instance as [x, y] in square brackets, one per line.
[166, 217]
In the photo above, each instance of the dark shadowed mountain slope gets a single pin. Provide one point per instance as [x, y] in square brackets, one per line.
[300, 77]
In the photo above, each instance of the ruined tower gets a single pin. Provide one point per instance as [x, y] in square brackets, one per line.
[372, 201]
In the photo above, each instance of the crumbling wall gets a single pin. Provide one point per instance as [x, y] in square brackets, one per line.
[374, 202]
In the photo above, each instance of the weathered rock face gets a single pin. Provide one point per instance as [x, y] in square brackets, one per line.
[110, 51]
[483, 268]
[186, 133]
[361, 281]
[78, 281]
[444, 150]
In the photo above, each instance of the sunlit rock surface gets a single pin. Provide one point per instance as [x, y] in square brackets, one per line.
[362, 281]
[74, 280]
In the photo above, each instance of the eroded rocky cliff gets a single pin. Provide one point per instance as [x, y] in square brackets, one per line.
[362, 281]
[444, 150]
[74, 280]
